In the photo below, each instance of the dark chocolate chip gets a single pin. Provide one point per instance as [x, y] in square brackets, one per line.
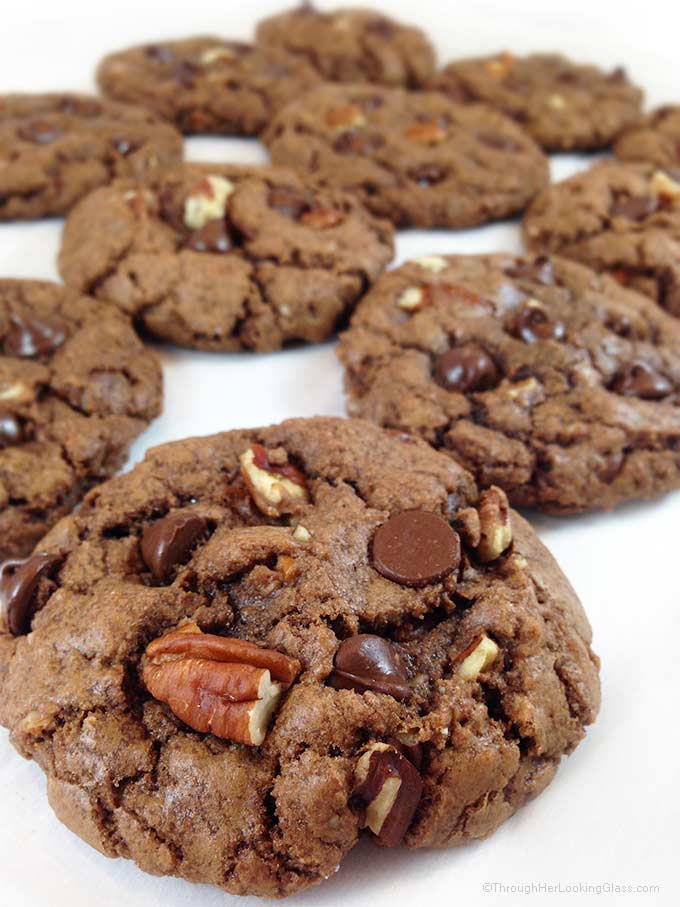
[367, 662]
[415, 548]
[466, 368]
[212, 237]
[290, 204]
[637, 379]
[11, 431]
[637, 207]
[385, 765]
[18, 583]
[532, 324]
[169, 541]
[40, 131]
[540, 270]
[32, 336]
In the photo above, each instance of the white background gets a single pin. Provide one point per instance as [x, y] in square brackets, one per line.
[613, 813]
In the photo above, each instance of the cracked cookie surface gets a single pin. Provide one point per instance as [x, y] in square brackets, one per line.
[482, 675]
[414, 157]
[565, 106]
[654, 139]
[207, 84]
[352, 45]
[540, 376]
[618, 218]
[222, 257]
[55, 148]
[76, 388]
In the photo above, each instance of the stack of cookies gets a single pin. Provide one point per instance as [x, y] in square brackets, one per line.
[251, 649]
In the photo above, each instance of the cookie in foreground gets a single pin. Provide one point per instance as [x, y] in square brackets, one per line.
[257, 646]
[538, 375]
[55, 148]
[226, 257]
[76, 388]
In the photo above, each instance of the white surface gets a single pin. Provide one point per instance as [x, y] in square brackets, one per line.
[611, 816]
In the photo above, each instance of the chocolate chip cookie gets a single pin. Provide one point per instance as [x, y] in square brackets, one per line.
[222, 257]
[76, 387]
[206, 84]
[352, 45]
[538, 375]
[565, 106]
[55, 148]
[654, 138]
[291, 634]
[620, 218]
[414, 157]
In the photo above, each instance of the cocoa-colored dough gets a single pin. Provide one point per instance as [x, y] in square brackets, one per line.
[565, 106]
[279, 278]
[69, 408]
[654, 138]
[207, 84]
[352, 45]
[133, 780]
[414, 157]
[538, 375]
[618, 218]
[55, 148]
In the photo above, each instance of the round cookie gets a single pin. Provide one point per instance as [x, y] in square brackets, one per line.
[55, 148]
[565, 106]
[623, 219]
[76, 388]
[414, 157]
[538, 375]
[352, 45]
[655, 138]
[206, 84]
[218, 638]
[226, 257]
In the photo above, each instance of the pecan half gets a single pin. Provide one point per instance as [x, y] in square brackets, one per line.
[218, 685]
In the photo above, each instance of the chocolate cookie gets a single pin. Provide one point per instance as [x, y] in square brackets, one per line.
[414, 157]
[76, 387]
[353, 45]
[290, 634]
[207, 84]
[620, 218]
[538, 375]
[654, 138]
[55, 148]
[563, 105]
[222, 257]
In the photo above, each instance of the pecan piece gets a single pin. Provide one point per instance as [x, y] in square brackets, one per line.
[218, 685]
[389, 788]
[276, 488]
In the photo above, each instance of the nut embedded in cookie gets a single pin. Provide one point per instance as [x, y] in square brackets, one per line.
[226, 687]
[276, 487]
[477, 657]
[390, 788]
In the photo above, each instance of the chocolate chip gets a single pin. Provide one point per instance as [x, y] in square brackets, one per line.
[290, 204]
[367, 662]
[10, 430]
[385, 765]
[466, 368]
[427, 175]
[415, 548]
[212, 237]
[637, 207]
[40, 131]
[32, 336]
[540, 270]
[18, 583]
[169, 541]
[637, 379]
[532, 324]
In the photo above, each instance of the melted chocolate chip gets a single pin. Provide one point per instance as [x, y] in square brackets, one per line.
[32, 336]
[383, 766]
[10, 430]
[637, 379]
[367, 662]
[169, 541]
[532, 324]
[290, 204]
[415, 548]
[18, 583]
[466, 368]
[40, 131]
[637, 207]
[212, 237]
[540, 270]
